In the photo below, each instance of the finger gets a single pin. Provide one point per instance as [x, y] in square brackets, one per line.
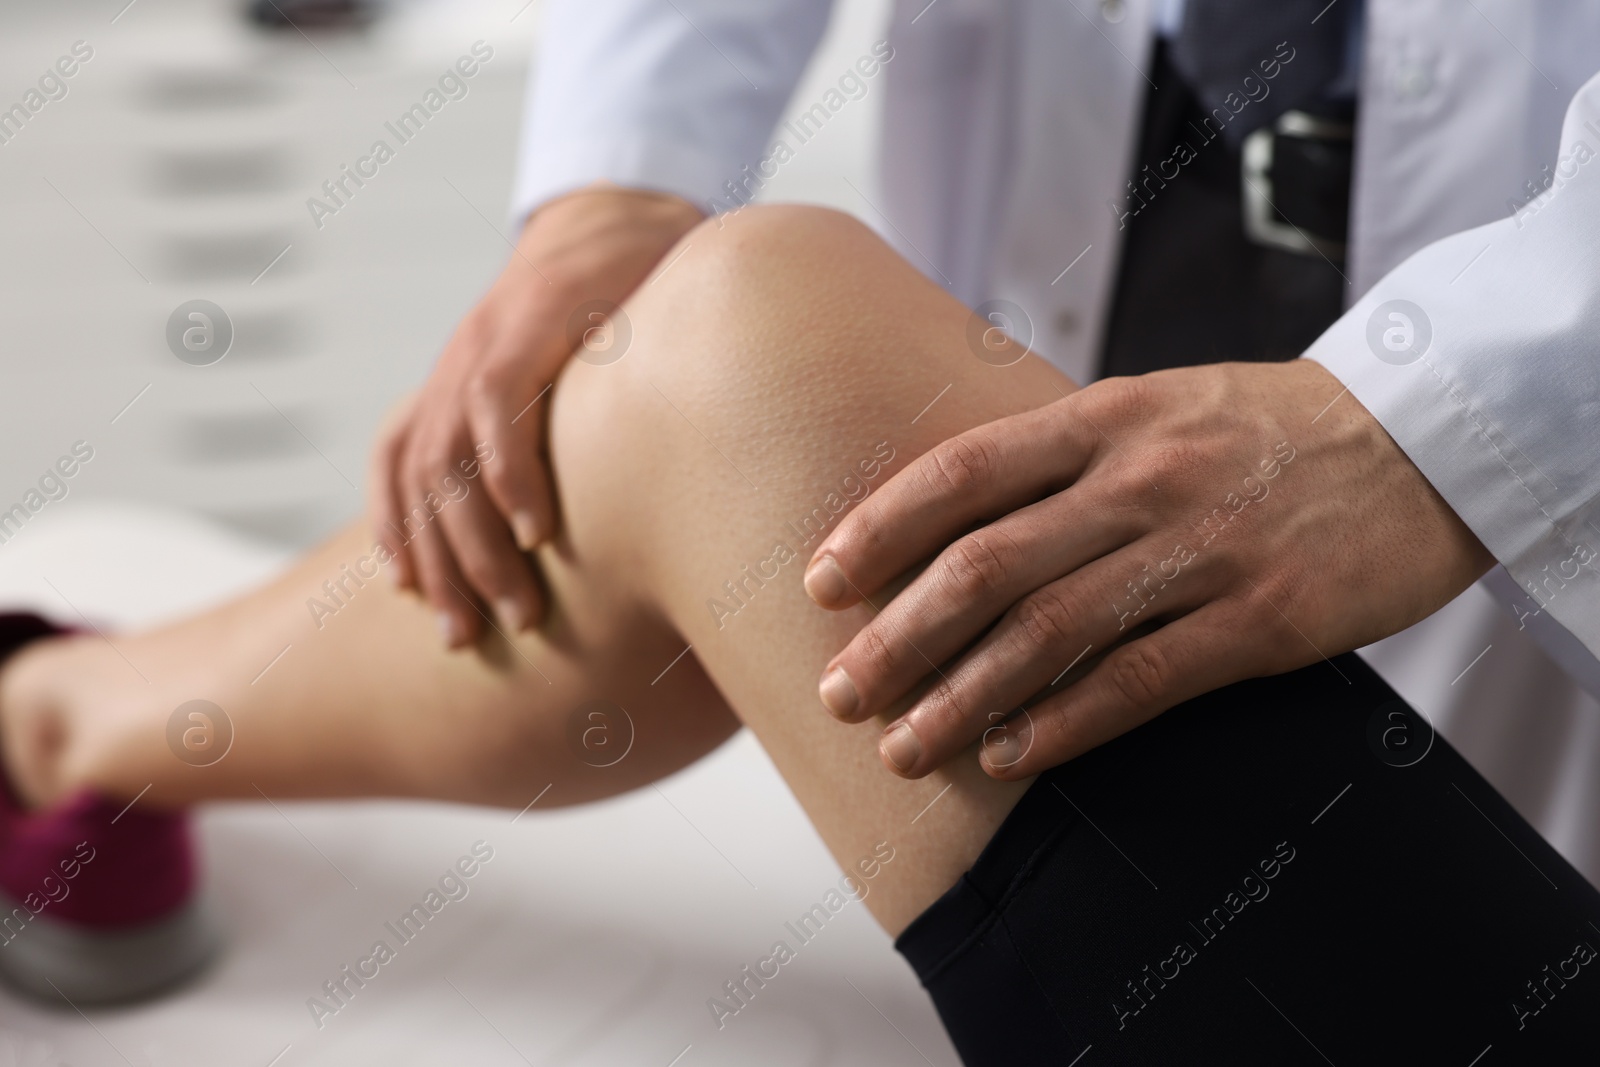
[958, 596]
[508, 449]
[978, 475]
[1045, 634]
[438, 575]
[445, 588]
[383, 502]
[494, 568]
[1134, 683]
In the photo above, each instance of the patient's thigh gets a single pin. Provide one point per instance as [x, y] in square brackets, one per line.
[783, 365]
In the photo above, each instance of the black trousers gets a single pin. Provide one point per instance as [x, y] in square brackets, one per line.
[1293, 870]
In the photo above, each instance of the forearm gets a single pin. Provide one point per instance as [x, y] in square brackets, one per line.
[636, 92]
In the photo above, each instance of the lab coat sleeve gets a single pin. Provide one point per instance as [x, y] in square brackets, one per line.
[1480, 355]
[671, 95]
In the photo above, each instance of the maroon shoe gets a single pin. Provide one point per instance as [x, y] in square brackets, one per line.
[98, 898]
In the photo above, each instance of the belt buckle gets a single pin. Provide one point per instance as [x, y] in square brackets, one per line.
[1263, 222]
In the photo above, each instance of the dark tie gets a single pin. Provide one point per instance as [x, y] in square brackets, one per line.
[1223, 42]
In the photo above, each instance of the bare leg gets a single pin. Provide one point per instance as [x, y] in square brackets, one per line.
[785, 361]
[365, 702]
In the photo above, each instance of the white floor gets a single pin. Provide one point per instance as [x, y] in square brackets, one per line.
[593, 937]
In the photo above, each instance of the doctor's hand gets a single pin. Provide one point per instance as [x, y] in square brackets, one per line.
[459, 488]
[1135, 544]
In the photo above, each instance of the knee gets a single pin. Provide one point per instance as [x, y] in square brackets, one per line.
[765, 259]
[775, 241]
[758, 327]
[760, 298]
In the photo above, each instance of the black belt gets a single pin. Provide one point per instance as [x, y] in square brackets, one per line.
[1295, 180]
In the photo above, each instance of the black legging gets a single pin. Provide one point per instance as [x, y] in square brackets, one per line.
[1292, 870]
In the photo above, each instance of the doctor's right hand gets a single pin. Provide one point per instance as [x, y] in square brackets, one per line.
[458, 486]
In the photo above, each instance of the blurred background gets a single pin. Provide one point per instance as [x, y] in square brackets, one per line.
[178, 167]
[175, 168]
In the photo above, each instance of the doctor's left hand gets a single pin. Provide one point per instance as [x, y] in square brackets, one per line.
[479, 412]
[1131, 546]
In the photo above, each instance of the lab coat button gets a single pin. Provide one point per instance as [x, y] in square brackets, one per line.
[1066, 323]
[1414, 82]
[1113, 11]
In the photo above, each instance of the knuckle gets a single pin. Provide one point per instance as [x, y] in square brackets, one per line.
[440, 583]
[1276, 593]
[1121, 400]
[430, 579]
[482, 574]
[1046, 620]
[1278, 600]
[489, 386]
[1137, 479]
[413, 464]
[1176, 458]
[876, 654]
[1141, 673]
[862, 533]
[422, 540]
[482, 390]
[434, 462]
[963, 463]
[975, 568]
[1051, 732]
[500, 478]
[943, 707]
[407, 460]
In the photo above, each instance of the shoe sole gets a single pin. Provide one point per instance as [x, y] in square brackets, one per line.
[51, 960]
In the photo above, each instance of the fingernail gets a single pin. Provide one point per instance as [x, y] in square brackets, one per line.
[901, 747]
[513, 614]
[449, 629]
[525, 528]
[838, 693]
[1000, 754]
[825, 582]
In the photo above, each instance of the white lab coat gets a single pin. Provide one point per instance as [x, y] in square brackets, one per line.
[1008, 132]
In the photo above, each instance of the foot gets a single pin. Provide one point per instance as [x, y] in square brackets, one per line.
[98, 897]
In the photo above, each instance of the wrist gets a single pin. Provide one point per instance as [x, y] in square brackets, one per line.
[622, 203]
[595, 244]
[603, 229]
[1349, 426]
